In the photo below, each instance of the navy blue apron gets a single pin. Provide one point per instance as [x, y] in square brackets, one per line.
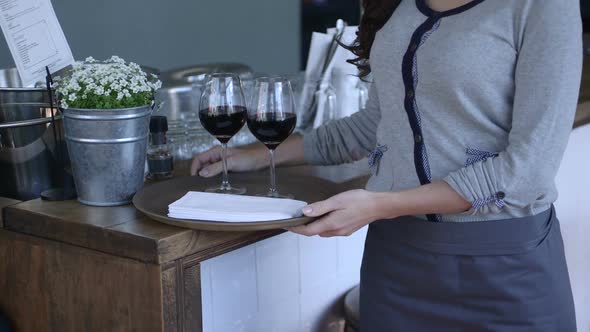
[505, 275]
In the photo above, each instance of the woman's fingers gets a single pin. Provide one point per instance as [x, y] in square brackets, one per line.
[325, 224]
[211, 170]
[322, 207]
[322, 225]
[339, 232]
[312, 229]
[201, 160]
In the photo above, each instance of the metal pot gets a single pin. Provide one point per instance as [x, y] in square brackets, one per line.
[27, 165]
[181, 88]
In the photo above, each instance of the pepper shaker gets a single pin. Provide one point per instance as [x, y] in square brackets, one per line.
[159, 157]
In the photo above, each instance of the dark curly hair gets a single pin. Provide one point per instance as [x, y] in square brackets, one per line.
[375, 14]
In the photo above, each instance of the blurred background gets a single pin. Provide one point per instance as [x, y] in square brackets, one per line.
[267, 35]
[585, 8]
[179, 38]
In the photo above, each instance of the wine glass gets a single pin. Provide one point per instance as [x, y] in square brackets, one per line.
[271, 118]
[222, 112]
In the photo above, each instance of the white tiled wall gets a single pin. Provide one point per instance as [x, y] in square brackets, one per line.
[573, 211]
[285, 283]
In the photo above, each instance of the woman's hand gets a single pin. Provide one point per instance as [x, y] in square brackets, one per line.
[251, 158]
[343, 214]
[346, 213]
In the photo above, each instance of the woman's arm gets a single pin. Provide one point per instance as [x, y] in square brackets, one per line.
[434, 198]
[341, 141]
[346, 213]
[251, 157]
[547, 83]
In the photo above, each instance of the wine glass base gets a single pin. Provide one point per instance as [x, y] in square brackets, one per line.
[229, 191]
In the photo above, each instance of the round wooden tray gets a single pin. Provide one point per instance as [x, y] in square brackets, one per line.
[153, 199]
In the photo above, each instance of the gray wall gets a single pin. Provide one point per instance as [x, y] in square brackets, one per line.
[174, 33]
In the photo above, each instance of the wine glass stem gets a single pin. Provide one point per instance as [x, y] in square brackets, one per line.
[225, 179]
[273, 179]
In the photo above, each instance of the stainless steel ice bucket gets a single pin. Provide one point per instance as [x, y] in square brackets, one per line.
[27, 165]
[107, 150]
[181, 88]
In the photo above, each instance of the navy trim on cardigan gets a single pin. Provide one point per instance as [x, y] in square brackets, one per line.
[426, 10]
[408, 64]
[410, 78]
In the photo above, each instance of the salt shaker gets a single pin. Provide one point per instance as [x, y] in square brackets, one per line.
[159, 157]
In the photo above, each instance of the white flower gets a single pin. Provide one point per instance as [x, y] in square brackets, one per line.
[111, 78]
[99, 90]
[116, 59]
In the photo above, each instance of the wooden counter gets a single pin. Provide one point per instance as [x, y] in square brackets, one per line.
[4, 202]
[65, 266]
[121, 231]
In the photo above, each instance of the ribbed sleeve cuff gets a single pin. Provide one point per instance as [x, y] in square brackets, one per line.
[474, 185]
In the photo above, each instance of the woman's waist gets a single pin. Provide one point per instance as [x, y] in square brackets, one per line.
[492, 237]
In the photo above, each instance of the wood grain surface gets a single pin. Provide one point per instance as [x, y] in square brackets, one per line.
[50, 286]
[170, 300]
[4, 202]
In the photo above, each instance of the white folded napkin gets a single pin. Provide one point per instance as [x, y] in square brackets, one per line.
[234, 208]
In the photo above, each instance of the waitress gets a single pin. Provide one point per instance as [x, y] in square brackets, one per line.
[470, 110]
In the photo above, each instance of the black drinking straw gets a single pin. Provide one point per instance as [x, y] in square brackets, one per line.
[49, 85]
[66, 191]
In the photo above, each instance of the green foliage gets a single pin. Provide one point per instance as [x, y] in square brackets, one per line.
[94, 101]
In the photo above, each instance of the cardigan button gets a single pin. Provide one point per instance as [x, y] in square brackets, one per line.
[418, 138]
[413, 47]
[410, 94]
[500, 195]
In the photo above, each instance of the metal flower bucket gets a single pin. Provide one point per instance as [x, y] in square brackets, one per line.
[107, 150]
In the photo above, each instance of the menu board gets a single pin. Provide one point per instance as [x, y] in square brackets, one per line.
[34, 37]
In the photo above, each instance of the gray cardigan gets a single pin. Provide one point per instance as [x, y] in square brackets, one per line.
[482, 97]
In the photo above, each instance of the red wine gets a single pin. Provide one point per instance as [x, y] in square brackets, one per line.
[272, 128]
[223, 122]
